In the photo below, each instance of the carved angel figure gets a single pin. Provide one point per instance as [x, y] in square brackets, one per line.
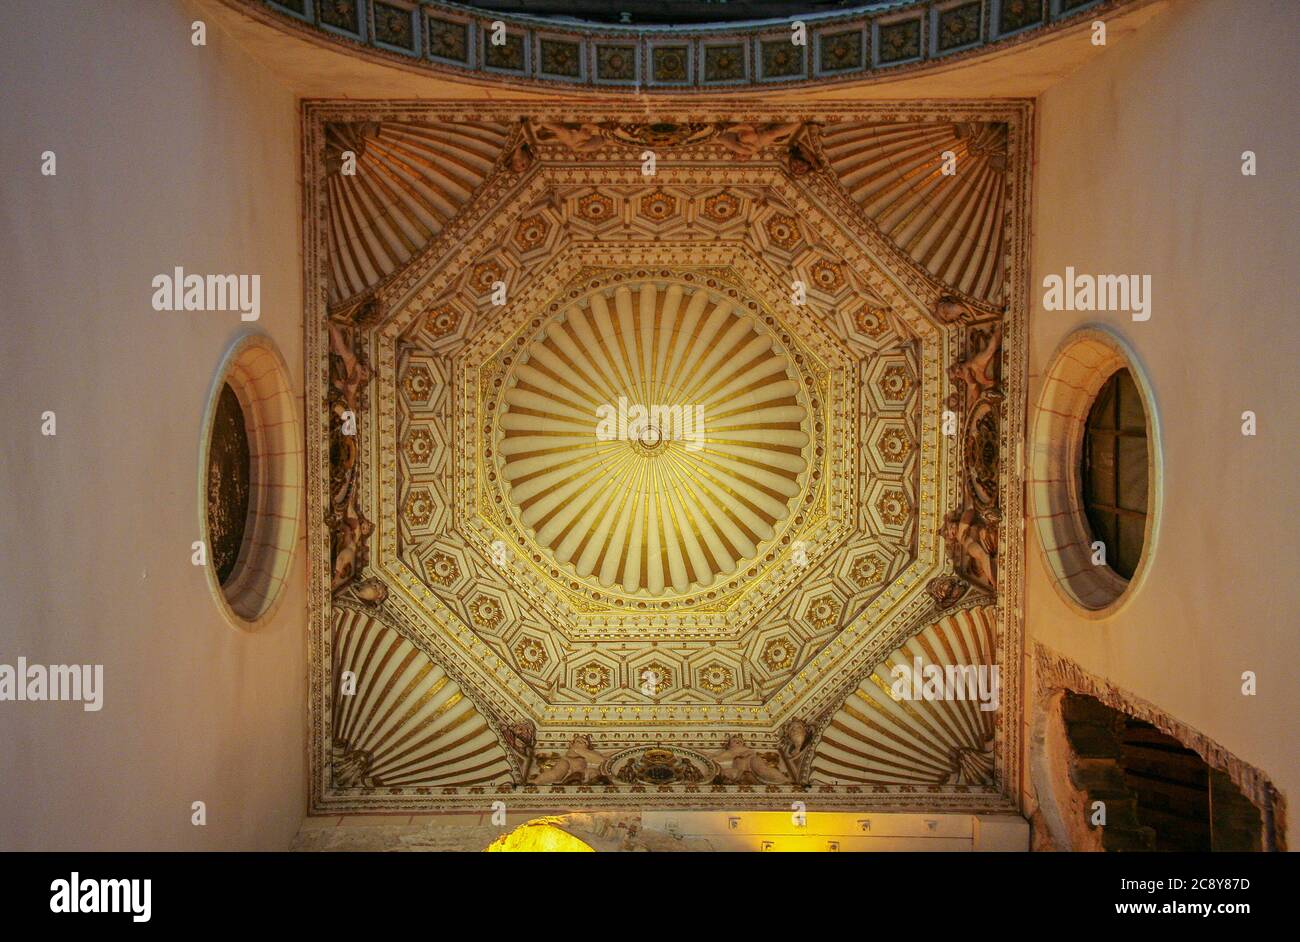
[972, 546]
[521, 736]
[742, 765]
[577, 137]
[746, 140]
[580, 762]
[980, 372]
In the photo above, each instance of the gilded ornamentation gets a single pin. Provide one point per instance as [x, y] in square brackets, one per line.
[827, 275]
[872, 321]
[778, 654]
[722, 207]
[486, 612]
[530, 653]
[783, 230]
[580, 764]
[894, 444]
[442, 321]
[534, 636]
[595, 207]
[417, 382]
[660, 765]
[868, 570]
[894, 507]
[654, 676]
[742, 764]
[658, 205]
[531, 233]
[418, 509]
[418, 446]
[593, 678]
[349, 529]
[680, 493]
[716, 678]
[824, 612]
[485, 275]
[442, 569]
[896, 383]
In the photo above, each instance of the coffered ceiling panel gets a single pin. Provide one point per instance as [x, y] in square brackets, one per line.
[631, 476]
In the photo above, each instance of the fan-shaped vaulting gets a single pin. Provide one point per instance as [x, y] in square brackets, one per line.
[876, 739]
[392, 187]
[937, 190]
[398, 719]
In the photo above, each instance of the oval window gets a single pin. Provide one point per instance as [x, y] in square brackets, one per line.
[251, 481]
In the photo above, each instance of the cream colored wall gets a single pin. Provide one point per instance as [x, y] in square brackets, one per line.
[167, 155]
[1138, 171]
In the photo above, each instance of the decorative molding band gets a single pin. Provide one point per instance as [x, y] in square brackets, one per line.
[869, 42]
[1053, 671]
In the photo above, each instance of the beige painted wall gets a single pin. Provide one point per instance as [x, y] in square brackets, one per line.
[167, 155]
[1138, 171]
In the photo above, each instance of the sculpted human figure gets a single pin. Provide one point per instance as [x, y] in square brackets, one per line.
[742, 765]
[746, 140]
[577, 137]
[979, 373]
[972, 545]
[579, 761]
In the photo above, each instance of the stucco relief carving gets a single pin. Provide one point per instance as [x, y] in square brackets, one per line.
[742, 764]
[349, 528]
[432, 395]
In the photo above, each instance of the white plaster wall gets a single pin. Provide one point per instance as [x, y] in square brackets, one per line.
[1138, 171]
[167, 155]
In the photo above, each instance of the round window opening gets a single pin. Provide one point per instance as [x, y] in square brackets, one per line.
[1095, 471]
[251, 481]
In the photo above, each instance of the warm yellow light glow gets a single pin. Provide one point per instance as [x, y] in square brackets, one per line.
[539, 836]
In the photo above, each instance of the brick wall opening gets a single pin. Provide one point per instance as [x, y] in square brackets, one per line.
[1157, 793]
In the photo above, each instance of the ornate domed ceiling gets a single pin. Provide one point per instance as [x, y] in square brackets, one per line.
[698, 454]
[650, 445]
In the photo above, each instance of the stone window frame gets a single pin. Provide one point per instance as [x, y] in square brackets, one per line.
[256, 372]
[1076, 373]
